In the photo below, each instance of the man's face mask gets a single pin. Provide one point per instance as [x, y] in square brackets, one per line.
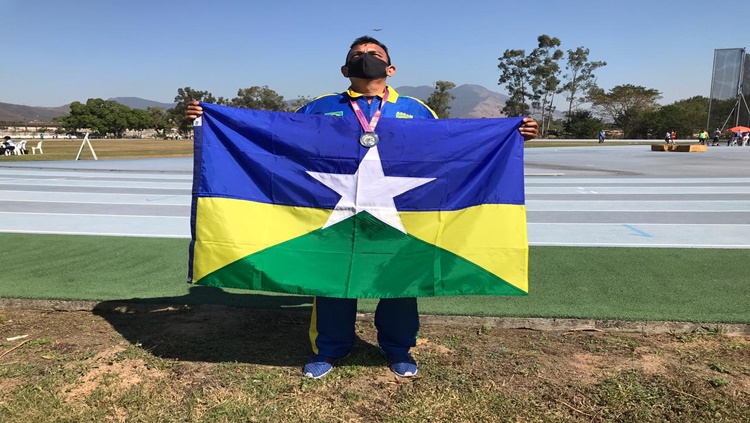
[366, 66]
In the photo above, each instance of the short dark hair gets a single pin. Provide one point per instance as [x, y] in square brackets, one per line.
[6, 137]
[366, 39]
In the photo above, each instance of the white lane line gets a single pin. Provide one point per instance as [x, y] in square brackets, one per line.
[627, 181]
[173, 226]
[695, 210]
[586, 190]
[25, 180]
[640, 234]
[94, 198]
[88, 175]
[108, 184]
[665, 190]
[134, 216]
[114, 203]
[653, 224]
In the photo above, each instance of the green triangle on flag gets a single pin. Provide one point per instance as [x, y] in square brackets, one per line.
[360, 257]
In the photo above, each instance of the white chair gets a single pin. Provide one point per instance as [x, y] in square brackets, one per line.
[20, 148]
[38, 147]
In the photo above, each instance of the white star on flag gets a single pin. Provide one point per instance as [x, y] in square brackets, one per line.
[368, 190]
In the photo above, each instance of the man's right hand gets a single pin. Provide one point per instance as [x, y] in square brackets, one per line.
[193, 111]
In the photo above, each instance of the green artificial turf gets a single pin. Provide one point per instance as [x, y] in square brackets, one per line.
[696, 285]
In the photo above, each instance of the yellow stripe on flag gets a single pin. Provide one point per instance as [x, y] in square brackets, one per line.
[228, 229]
[492, 236]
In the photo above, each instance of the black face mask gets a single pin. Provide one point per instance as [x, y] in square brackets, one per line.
[366, 66]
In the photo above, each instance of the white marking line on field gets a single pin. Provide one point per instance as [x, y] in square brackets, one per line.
[639, 201]
[638, 206]
[528, 209]
[97, 234]
[640, 190]
[105, 173]
[587, 190]
[96, 215]
[9, 180]
[645, 224]
[628, 181]
[106, 184]
[148, 202]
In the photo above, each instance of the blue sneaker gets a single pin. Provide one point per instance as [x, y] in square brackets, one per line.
[317, 369]
[404, 367]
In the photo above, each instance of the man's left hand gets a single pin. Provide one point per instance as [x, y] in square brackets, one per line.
[529, 129]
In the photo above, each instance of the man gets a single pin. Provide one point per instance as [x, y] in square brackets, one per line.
[8, 145]
[367, 66]
[602, 134]
[717, 135]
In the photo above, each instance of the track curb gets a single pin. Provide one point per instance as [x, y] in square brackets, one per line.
[481, 322]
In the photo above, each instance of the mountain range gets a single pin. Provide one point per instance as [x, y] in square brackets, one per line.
[471, 101]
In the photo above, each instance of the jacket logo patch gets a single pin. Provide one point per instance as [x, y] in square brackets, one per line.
[339, 113]
[403, 115]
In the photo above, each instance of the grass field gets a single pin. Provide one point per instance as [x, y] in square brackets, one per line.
[694, 285]
[59, 149]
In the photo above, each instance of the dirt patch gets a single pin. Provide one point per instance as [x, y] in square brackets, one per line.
[213, 363]
[106, 368]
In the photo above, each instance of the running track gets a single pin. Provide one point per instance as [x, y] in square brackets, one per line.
[613, 196]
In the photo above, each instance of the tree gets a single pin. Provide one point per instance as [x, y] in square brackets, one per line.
[722, 112]
[439, 100]
[160, 119]
[514, 73]
[581, 124]
[626, 105]
[184, 96]
[580, 78]
[544, 77]
[78, 118]
[259, 98]
[297, 103]
[140, 120]
[686, 117]
[116, 118]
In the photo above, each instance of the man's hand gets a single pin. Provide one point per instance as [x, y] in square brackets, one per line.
[529, 129]
[194, 111]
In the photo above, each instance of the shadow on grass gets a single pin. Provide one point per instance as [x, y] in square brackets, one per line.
[212, 325]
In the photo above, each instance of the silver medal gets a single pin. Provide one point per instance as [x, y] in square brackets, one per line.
[369, 139]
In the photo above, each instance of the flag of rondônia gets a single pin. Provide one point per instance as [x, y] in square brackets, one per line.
[293, 203]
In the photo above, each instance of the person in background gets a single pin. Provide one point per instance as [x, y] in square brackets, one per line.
[702, 137]
[734, 139]
[8, 145]
[602, 134]
[717, 135]
[674, 137]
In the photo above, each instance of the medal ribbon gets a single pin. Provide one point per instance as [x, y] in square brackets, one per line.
[369, 127]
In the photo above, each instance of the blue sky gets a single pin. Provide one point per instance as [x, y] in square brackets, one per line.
[57, 51]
